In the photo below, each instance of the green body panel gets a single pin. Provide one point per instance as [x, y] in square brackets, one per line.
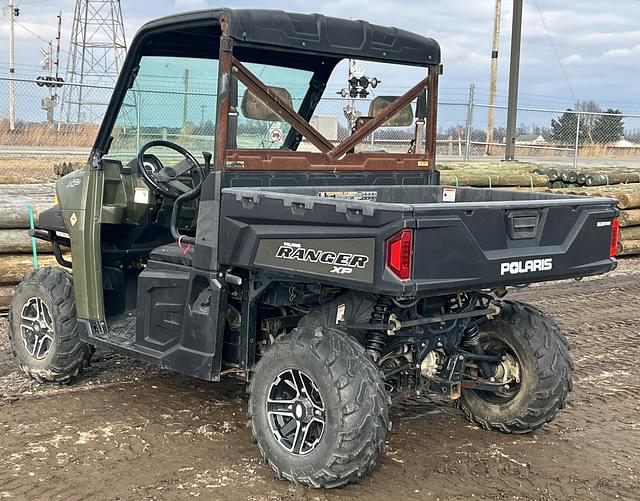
[119, 199]
[80, 198]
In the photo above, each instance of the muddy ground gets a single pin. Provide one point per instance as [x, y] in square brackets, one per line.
[131, 431]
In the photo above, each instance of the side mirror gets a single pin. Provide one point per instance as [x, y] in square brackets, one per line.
[402, 118]
[254, 108]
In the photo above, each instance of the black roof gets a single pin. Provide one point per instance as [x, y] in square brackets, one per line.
[301, 34]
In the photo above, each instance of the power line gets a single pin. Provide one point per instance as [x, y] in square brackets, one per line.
[33, 2]
[34, 34]
[555, 51]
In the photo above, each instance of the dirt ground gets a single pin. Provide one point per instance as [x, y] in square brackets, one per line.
[131, 431]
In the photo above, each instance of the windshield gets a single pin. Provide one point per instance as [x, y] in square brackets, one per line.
[174, 99]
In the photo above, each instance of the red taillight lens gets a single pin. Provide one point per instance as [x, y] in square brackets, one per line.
[399, 254]
[615, 232]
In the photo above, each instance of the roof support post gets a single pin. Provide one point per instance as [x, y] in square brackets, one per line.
[432, 114]
[225, 66]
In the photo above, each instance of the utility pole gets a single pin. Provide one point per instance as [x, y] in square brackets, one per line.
[47, 64]
[12, 62]
[51, 82]
[469, 131]
[58, 38]
[514, 75]
[56, 63]
[493, 79]
[185, 104]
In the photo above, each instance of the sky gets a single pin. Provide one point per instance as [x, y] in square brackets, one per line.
[584, 49]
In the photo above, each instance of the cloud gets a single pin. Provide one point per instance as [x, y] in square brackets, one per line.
[573, 59]
[190, 4]
[609, 37]
[583, 34]
[625, 52]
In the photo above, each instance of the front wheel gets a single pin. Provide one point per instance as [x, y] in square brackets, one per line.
[43, 328]
[319, 411]
[535, 367]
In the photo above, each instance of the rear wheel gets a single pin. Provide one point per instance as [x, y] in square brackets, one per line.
[43, 328]
[535, 367]
[318, 408]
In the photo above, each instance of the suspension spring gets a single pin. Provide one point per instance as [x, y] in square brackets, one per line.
[472, 341]
[376, 341]
[472, 336]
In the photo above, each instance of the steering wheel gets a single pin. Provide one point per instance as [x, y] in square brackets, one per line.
[167, 180]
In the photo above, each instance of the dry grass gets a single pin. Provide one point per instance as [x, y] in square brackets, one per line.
[25, 169]
[585, 151]
[35, 134]
[604, 151]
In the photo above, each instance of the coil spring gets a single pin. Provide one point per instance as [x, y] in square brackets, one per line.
[472, 336]
[376, 341]
[472, 341]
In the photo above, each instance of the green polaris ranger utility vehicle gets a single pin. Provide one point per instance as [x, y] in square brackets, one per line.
[333, 274]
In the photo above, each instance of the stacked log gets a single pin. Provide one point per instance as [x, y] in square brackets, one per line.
[629, 240]
[628, 247]
[14, 268]
[567, 177]
[16, 258]
[6, 294]
[492, 175]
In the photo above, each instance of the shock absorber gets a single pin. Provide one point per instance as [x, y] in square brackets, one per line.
[472, 341]
[376, 341]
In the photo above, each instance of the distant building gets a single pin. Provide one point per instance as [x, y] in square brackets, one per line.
[625, 143]
[531, 140]
[325, 125]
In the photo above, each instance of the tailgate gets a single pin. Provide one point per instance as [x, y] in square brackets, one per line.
[464, 246]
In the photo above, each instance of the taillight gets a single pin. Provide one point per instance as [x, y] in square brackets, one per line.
[399, 254]
[615, 232]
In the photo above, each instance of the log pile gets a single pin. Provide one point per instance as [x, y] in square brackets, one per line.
[15, 243]
[565, 177]
[492, 175]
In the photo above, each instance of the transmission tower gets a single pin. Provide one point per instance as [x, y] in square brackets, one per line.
[96, 54]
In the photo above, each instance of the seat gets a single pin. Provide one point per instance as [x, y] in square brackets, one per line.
[171, 253]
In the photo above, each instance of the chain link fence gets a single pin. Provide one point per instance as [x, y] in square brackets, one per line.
[581, 133]
[47, 117]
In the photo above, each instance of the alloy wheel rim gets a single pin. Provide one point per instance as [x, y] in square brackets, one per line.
[36, 328]
[296, 412]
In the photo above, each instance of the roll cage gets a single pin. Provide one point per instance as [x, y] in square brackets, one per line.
[304, 41]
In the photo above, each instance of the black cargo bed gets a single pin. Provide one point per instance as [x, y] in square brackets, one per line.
[463, 238]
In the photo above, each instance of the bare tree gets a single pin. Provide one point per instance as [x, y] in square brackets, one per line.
[588, 121]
